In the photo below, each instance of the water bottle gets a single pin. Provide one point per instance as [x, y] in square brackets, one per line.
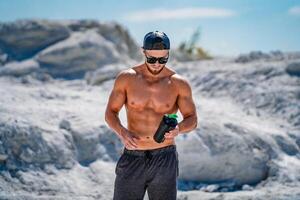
[168, 122]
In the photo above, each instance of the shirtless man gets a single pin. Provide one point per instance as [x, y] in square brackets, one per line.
[149, 91]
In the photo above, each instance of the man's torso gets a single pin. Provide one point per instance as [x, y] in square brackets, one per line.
[146, 103]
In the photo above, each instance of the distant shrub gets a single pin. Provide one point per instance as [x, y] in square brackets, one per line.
[191, 50]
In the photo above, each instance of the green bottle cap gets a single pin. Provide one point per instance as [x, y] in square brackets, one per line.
[174, 116]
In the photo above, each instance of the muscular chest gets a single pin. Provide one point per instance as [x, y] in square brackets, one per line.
[160, 95]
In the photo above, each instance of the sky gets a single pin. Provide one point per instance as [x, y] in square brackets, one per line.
[228, 27]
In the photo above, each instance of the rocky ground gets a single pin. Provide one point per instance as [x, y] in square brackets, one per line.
[54, 143]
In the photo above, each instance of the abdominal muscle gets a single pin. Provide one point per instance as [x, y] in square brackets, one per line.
[144, 125]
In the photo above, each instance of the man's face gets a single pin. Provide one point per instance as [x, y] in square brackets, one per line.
[155, 68]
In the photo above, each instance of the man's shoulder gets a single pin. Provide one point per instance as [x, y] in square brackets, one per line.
[123, 78]
[181, 83]
[125, 74]
[179, 79]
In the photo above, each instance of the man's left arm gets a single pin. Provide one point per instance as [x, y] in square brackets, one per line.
[187, 108]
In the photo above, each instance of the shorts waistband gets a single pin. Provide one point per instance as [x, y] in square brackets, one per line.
[169, 148]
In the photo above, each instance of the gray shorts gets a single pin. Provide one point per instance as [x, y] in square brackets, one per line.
[154, 170]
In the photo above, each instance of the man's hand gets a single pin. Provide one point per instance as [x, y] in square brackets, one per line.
[173, 133]
[129, 139]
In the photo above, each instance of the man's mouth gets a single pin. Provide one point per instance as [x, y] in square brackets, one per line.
[155, 66]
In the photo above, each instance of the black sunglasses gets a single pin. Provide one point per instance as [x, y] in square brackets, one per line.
[161, 60]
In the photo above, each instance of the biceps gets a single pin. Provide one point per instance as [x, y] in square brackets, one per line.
[186, 105]
[116, 100]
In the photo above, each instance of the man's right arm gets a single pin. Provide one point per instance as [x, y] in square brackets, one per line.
[116, 101]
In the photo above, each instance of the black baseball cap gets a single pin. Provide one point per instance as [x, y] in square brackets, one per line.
[156, 40]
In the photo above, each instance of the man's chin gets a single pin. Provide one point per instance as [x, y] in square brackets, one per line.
[154, 71]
